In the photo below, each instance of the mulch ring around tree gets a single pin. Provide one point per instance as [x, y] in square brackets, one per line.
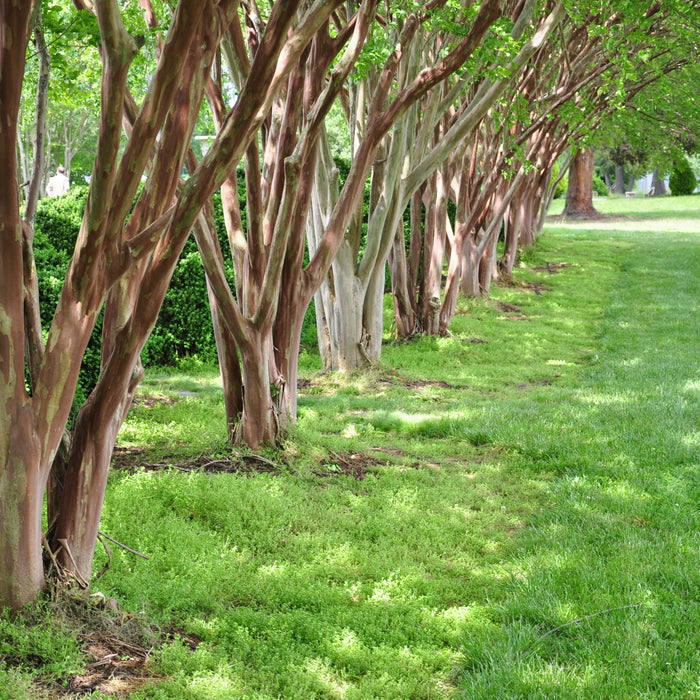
[132, 458]
[355, 465]
[117, 646]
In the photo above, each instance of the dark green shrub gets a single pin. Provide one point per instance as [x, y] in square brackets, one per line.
[184, 326]
[562, 185]
[682, 180]
[600, 187]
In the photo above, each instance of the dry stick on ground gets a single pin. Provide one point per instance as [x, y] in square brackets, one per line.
[76, 573]
[583, 619]
[123, 546]
[59, 571]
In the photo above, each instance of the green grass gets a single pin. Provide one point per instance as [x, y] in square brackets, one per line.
[527, 525]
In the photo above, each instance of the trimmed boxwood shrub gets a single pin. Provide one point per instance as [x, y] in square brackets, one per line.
[600, 187]
[184, 326]
[682, 180]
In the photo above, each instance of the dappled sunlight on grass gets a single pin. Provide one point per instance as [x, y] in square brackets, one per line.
[525, 523]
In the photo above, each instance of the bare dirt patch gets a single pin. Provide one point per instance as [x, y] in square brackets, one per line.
[151, 401]
[132, 458]
[551, 268]
[350, 464]
[513, 312]
[116, 644]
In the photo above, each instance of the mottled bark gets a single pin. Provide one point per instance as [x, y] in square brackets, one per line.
[23, 474]
[579, 196]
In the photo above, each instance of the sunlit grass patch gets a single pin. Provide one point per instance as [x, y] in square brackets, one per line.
[524, 522]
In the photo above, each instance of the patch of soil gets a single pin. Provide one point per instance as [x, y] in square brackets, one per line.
[351, 464]
[595, 215]
[538, 288]
[552, 268]
[117, 646]
[515, 313]
[421, 383]
[508, 308]
[151, 401]
[395, 378]
[541, 382]
[128, 459]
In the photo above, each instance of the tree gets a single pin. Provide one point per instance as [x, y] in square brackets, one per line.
[124, 256]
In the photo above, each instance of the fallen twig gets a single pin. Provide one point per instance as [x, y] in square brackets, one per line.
[103, 570]
[59, 571]
[123, 546]
[76, 574]
[583, 619]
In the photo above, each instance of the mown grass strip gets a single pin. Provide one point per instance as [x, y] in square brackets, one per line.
[619, 532]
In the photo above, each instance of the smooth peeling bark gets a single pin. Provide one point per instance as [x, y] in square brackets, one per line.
[579, 196]
[22, 484]
[85, 481]
[434, 254]
[23, 472]
[259, 424]
[134, 301]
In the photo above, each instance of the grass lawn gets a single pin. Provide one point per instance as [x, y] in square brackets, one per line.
[507, 512]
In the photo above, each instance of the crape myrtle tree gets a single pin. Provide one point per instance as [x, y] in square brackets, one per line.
[416, 155]
[126, 251]
[653, 41]
[291, 176]
[592, 65]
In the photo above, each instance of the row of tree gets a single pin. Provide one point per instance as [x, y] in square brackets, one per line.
[446, 101]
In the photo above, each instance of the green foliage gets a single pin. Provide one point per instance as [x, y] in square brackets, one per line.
[682, 180]
[184, 326]
[184, 323]
[562, 185]
[600, 187]
[31, 645]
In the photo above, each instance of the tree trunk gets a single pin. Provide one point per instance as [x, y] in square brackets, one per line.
[22, 485]
[658, 185]
[619, 187]
[259, 423]
[22, 473]
[516, 217]
[579, 196]
[470, 268]
[434, 254]
[85, 479]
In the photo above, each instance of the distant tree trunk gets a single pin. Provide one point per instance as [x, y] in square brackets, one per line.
[658, 185]
[579, 196]
[619, 186]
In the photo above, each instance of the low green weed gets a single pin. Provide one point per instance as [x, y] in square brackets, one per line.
[506, 512]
